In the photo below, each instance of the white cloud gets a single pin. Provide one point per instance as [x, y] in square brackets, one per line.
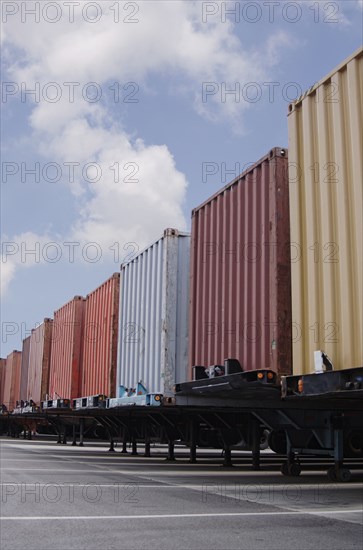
[170, 38]
[20, 251]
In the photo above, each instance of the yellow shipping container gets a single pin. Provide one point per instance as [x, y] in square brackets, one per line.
[326, 200]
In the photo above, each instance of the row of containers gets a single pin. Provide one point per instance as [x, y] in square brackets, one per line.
[134, 327]
[271, 272]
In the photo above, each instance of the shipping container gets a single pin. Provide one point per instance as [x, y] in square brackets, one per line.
[65, 361]
[39, 361]
[99, 353]
[12, 380]
[153, 341]
[25, 357]
[240, 298]
[2, 379]
[326, 174]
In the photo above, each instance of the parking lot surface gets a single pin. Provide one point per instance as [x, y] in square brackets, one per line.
[57, 496]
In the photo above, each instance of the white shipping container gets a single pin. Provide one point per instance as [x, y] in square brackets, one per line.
[154, 298]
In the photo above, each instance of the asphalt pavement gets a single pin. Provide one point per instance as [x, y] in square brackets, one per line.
[70, 497]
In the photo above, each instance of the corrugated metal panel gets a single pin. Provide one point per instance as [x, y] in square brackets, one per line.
[65, 362]
[15, 363]
[12, 379]
[99, 358]
[240, 300]
[7, 382]
[153, 342]
[326, 174]
[25, 357]
[39, 362]
[2, 379]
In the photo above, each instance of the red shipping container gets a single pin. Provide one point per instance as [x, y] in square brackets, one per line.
[2, 379]
[65, 362]
[99, 355]
[24, 368]
[39, 362]
[12, 379]
[240, 297]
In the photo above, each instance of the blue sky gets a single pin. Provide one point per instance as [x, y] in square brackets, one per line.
[131, 125]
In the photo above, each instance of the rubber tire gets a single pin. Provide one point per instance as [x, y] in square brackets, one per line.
[295, 469]
[353, 444]
[264, 439]
[343, 475]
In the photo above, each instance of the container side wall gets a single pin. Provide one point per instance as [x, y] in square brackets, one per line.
[11, 392]
[174, 314]
[240, 301]
[39, 361]
[140, 331]
[65, 364]
[99, 354]
[24, 368]
[326, 174]
[153, 315]
[2, 379]
[7, 382]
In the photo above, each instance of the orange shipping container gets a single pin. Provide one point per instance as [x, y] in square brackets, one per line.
[65, 361]
[2, 379]
[12, 379]
[24, 368]
[39, 362]
[99, 355]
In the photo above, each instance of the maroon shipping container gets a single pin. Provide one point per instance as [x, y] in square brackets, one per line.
[240, 297]
[12, 379]
[2, 379]
[24, 368]
[39, 361]
[65, 362]
[99, 355]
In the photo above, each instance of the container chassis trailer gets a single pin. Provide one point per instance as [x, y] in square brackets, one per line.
[225, 408]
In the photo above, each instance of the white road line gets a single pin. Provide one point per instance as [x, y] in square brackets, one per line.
[177, 516]
[271, 487]
[220, 473]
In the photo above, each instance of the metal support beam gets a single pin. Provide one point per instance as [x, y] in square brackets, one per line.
[124, 441]
[112, 445]
[74, 440]
[227, 462]
[81, 430]
[255, 426]
[193, 444]
[338, 448]
[147, 443]
[171, 453]
[134, 447]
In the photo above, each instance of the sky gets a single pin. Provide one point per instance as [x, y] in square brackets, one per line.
[119, 118]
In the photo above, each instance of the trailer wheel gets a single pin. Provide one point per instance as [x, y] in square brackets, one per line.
[353, 444]
[295, 469]
[344, 475]
[264, 439]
